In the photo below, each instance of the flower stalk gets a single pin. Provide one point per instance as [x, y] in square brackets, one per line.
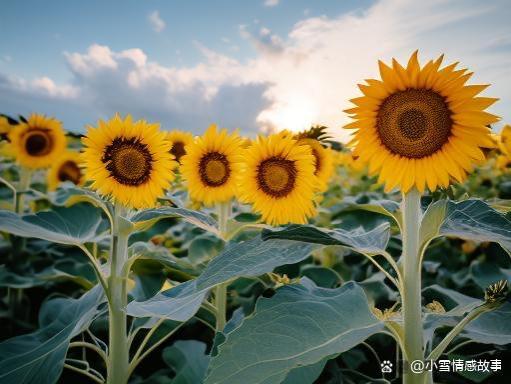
[411, 295]
[224, 211]
[118, 351]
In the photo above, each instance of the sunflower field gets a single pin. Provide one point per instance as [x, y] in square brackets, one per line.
[134, 254]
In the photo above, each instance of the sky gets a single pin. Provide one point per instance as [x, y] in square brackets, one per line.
[253, 65]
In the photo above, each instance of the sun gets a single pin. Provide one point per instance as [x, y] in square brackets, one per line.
[128, 161]
[421, 127]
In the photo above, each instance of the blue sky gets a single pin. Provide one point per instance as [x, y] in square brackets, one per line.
[253, 65]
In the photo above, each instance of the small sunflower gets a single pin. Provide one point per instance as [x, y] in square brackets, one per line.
[38, 141]
[66, 168]
[179, 141]
[505, 140]
[278, 179]
[128, 160]
[211, 164]
[323, 161]
[421, 126]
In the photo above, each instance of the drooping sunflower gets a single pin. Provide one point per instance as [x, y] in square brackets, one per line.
[128, 160]
[211, 164]
[179, 140]
[278, 179]
[38, 141]
[68, 167]
[421, 126]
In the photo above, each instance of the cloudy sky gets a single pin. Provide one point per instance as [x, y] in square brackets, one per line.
[253, 65]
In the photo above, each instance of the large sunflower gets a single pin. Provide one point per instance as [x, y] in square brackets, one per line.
[66, 168]
[421, 126]
[179, 140]
[211, 164]
[278, 179]
[38, 141]
[128, 161]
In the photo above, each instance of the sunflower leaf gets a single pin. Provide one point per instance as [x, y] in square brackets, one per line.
[38, 357]
[369, 242]
[59, 225]
[145, 219]
[470, 219]
[249, 258]
[299, 326]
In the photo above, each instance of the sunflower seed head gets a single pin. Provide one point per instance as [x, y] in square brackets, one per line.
[316, 132]
[497, 292]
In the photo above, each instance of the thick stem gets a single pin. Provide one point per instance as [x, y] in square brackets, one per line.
[118, 351]
[411, 299]
[224, 211]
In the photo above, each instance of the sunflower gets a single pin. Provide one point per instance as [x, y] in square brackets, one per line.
[38, 141]
[505, 140]
[421, 126]
[66, 168]
[323, 161]
[128, 160]
[278, 179]
[211, 164]
[179, 141]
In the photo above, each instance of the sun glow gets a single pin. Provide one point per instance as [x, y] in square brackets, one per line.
[297, 114]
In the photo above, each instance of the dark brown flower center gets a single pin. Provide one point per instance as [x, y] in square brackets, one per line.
[69, 171]
[128, 161]
[277, 176]
[414, 123]
[178, 150]
[214, 169]
[38, 142]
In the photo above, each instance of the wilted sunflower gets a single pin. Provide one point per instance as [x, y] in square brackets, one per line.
[38, 141]
[179, 140]
[278, 179]
[66, 168]
[211, 164]
[128, 161]
[419, 126]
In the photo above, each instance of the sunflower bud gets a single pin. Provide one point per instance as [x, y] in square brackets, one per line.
[496, 293]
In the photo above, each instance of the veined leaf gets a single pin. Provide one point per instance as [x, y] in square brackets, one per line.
[38, 358]
[189, 361]
[75, 225]
[372, 242]
[250, 258]
[145, 219]
[299, 326]
[470, 219]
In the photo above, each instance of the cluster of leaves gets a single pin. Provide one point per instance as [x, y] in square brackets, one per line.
[306, 304]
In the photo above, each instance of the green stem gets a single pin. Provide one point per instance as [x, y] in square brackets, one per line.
[411, 298]
[118, 351]
[440, 348]
[224, 211]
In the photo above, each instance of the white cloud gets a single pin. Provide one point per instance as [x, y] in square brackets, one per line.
[156, 21]
[306, 77]
[271, 3]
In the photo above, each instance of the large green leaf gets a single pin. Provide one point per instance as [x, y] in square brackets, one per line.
[38, 357]
[299, 326]
[387, 208]
[189, 361]
[79, 224]
[470, 219]
[250, 258]
[145, 219]
[371, 242]
[489, 328]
